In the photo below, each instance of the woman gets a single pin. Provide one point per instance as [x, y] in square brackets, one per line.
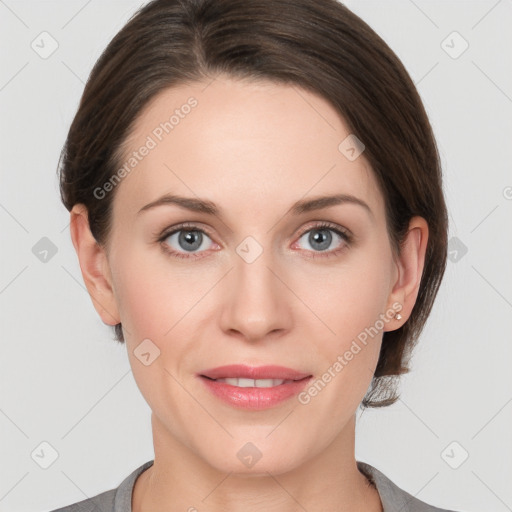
[256, 204]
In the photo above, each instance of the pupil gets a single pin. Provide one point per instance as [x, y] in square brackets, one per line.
[318, 237]
[192, 239]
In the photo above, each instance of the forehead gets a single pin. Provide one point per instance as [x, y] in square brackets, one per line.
[242, 144]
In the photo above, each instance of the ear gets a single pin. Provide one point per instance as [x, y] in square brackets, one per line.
[410, 266]
[94, 265]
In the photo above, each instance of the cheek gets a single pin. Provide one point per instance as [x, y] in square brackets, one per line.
[351, 303]
[159, 299]
[350, 297]
[153, 302]
[149, 297]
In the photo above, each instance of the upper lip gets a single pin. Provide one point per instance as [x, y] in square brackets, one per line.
[253, 372]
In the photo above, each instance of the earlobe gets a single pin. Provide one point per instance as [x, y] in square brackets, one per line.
[410, 269]
[94, 266]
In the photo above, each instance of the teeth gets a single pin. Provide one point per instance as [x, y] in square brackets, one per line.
[253, 383]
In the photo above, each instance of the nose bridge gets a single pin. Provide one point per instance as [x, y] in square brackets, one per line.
[252, 268]
[255, 299]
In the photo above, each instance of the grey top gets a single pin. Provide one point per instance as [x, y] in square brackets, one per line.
[393, 498]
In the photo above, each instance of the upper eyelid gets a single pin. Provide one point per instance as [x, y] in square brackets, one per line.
[183, 227]
[318, 224]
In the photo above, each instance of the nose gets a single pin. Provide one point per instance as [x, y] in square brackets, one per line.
[256, 302]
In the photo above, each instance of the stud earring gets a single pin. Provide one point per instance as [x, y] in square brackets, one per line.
[398, 316]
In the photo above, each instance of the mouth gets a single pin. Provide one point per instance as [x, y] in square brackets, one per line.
[252, 383]
[254, 388]
[256, 373]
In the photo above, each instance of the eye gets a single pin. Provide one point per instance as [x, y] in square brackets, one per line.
[185, 241]
[189, 241]
[322, 237]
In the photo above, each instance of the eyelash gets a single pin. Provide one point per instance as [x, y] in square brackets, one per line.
[345, 235]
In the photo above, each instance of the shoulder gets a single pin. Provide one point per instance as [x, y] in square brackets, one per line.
[393, 498]
[103, 502]
[114, 500]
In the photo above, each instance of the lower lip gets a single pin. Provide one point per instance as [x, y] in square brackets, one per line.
[255, 398]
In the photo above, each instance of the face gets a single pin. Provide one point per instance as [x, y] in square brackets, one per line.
[261, 281]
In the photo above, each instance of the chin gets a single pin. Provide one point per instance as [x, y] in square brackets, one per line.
[254, 458]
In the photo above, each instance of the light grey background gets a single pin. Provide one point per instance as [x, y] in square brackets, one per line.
[65, 382]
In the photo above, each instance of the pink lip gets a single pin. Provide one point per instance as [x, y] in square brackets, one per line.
[254, 398]
[253, 372]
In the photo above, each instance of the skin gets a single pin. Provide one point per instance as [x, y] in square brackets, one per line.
[254, 149]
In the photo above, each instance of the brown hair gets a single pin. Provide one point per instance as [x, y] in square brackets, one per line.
[318, 45]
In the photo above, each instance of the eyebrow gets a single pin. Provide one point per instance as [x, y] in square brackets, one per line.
[300, 207]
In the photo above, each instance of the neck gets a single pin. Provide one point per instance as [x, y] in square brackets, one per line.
[180, 480]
